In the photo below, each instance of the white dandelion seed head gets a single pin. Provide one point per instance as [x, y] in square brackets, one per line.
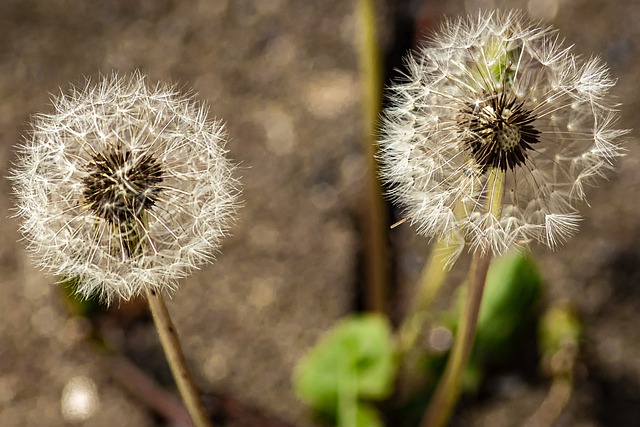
[124, 186]
[496, 92]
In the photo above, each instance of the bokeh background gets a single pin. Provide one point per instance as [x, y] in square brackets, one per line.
[284, 76]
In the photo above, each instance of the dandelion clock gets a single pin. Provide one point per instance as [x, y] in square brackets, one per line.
[124, 189]
[124, 186]
[495, 131]
[489, 142]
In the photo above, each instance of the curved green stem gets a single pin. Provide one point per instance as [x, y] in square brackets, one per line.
[432, 277]
[448, 390]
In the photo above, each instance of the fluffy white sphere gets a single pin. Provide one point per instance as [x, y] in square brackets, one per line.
[124, 186]
[488, 93]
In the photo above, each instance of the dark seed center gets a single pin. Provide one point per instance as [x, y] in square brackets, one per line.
[121, 186]
[499, 132]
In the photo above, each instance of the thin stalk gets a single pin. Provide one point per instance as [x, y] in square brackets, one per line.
[448, 390]
[175, 357]
[553, 405]
[143, 388]
[432, 277]
[560, 345]
[374, 211]
[446, 395]
[347, 399]
[433, 274]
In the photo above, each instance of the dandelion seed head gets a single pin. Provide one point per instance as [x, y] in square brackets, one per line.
[495, 92]
[120, 188]
[124, 186]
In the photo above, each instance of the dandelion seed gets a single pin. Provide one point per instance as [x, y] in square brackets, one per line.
[125, 187]
[490, 96]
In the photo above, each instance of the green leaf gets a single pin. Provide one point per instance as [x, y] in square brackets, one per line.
[511, 292]
[507, 316]
[355, 360]
[366, 416]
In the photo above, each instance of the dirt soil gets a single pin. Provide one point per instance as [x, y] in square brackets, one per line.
[283, 75]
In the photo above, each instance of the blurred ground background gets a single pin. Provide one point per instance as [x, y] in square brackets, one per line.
[284, 76]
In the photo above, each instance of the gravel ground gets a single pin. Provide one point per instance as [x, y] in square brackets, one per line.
[283, 75]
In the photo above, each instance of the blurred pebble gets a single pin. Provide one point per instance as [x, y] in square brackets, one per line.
[79, 400]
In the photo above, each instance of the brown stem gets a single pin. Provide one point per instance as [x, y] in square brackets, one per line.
[446, 395]
[553, 404]
[373, 209]
[146, 390]
[175, 357]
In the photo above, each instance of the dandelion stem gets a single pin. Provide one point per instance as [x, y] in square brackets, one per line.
[433, 274]
[175, 357]
[374, 211]
[432, 277]
[446, 395]
[553, 404]
[448, 390]
[147, 391]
